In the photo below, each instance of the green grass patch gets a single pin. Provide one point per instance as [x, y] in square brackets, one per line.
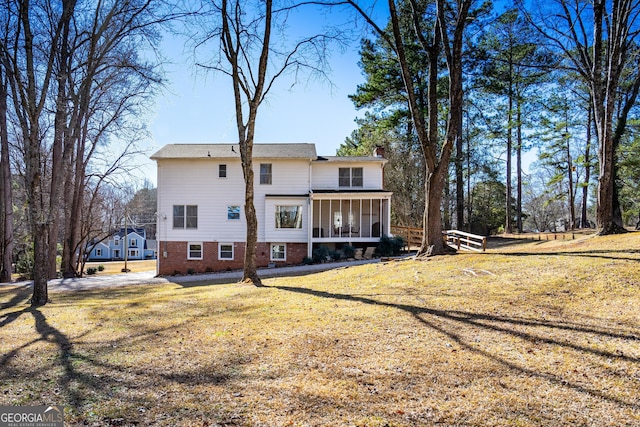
[534, 333]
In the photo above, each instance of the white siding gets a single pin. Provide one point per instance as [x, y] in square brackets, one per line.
[292, 235]
[325, 174]
[289, 177]
[196, 182]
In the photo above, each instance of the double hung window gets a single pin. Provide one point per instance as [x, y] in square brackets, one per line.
[265, 173]
[350, 177]
[185, 216]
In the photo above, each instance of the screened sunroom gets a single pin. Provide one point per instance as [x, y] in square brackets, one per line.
[350, 217]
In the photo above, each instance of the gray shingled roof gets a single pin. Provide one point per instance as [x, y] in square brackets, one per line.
[350, 159]
[230, 151]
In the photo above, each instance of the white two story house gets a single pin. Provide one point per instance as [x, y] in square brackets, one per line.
[302, 201]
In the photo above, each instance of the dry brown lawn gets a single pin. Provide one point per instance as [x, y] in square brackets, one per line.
[115, 267]
[530, 334]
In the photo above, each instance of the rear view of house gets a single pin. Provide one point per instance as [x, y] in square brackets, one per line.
[302, 201]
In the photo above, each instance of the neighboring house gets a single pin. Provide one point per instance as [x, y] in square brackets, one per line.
[134, 245]
[302, 201]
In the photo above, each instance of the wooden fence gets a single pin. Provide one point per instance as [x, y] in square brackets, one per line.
[458, 240]
[412, 236]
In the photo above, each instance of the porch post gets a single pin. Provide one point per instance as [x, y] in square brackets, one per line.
[388, 216]
[310, 230]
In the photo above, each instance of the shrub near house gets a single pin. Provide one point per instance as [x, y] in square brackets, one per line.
[302, 201]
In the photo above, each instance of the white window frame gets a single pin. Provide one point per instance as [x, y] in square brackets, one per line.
[98, 252]
[185, 218]
[266, 178]
[351, 177]
[189, 251]
[233, 252]
[284, 251]
[134, 253]
[239, 212]
[222, 168]
[298, 219]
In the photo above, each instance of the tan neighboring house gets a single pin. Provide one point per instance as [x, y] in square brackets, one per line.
[302, 201]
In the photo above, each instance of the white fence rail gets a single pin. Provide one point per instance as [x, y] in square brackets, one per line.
[462, 240]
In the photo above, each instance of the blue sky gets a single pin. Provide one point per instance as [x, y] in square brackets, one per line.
[199, 108]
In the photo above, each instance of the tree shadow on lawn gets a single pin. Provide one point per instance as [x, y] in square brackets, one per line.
[47, 334]
[506, 326]
[85, 379]
[19, 294]
[595, 253]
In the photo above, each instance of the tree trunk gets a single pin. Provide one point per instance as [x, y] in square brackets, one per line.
[445, 202]
[603, 89]
[432, 241]
[38, 218]
[250, 273]
[72, 230]
[584, 220]
[231, 30]
[6, 189]
[519, 168]
[572, 204]
[459, 181]
[38, 222]
[508, 227]
[57, 159]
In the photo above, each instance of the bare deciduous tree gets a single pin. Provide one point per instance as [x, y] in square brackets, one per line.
[244, 34]
[6, 199]
[75, 77]
[30, 54]
[108, 83]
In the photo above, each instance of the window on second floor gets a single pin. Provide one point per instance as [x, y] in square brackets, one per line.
[350, 177]
[185, 216]
[265, 173]
[222, 171]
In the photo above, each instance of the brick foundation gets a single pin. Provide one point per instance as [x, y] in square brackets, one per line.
[172, 257]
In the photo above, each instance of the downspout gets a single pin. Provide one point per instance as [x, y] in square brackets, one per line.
[159, 217]
[310, 211]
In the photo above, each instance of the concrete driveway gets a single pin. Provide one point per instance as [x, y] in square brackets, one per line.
[149, 277]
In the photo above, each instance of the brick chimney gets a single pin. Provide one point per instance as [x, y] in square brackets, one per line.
[378, 151]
